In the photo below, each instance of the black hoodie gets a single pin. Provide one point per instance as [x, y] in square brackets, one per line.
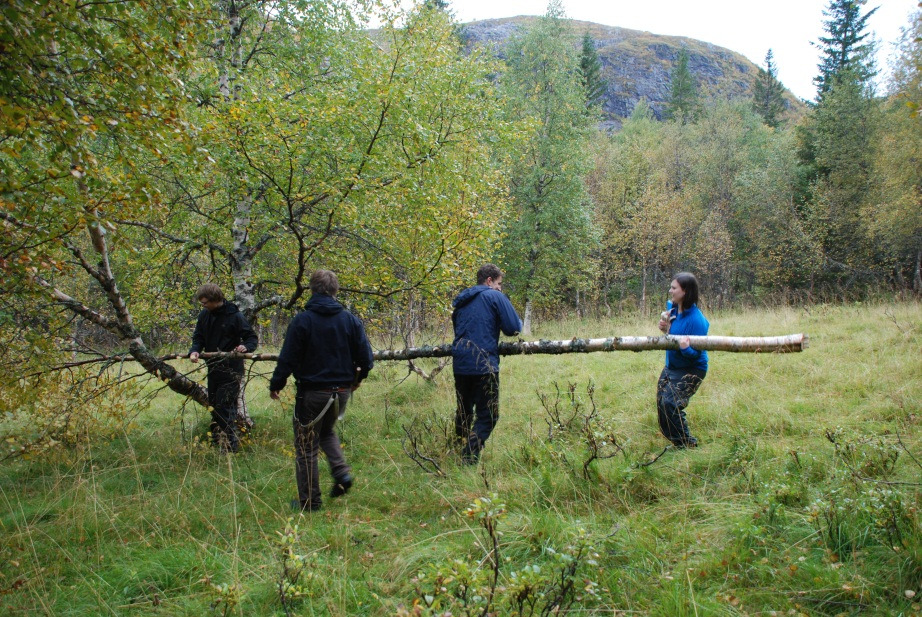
[325, 347]
[222, 330]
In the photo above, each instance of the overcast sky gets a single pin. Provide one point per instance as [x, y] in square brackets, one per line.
[744, 26]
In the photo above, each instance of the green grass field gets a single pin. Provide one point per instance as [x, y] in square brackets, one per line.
[767, 517]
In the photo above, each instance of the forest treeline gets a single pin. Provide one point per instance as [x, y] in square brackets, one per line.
[148, 147]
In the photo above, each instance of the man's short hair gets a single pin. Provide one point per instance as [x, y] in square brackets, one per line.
[210, 292]
[488, 271]
[324, 282]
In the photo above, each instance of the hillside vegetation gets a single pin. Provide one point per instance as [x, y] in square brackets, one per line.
[803, 498]
[637, 65]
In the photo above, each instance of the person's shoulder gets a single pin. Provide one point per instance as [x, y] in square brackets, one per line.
[498, 297]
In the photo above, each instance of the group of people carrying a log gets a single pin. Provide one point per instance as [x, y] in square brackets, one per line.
[328, 353]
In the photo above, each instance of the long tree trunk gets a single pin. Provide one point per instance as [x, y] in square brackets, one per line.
[917, 276]
[788, 343]
[741, 344]
[230, 67]
[643, 287]
[244, 292]
[526, 322]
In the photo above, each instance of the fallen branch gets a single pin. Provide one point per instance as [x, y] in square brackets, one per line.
[426, 463]
[654, 459]
[752, 344]
[740, 344]
[413, 368]
[789, 343]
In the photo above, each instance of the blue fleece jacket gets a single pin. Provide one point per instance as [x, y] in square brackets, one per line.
[479, 315]
[690, 322]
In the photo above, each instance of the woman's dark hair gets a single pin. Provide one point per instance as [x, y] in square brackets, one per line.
[689, 285]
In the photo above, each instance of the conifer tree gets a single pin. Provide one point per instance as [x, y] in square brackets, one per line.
[683, 102]
[844, 48]
[440, 5]
[768, 93]
[590, 71]
[836, 144]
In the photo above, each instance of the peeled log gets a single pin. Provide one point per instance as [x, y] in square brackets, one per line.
[742, 344]
[752, 344]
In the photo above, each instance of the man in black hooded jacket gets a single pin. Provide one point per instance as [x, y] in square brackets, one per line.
[222, 327]
[327, 351]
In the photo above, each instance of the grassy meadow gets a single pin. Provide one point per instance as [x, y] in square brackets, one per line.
[803, 498]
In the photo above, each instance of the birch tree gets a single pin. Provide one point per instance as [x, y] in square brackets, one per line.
[148, 147]
[550, 236]
[87, 91]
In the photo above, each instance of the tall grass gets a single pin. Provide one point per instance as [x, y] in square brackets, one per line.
[768, 516]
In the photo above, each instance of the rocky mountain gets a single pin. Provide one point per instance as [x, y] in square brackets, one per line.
[637, 65]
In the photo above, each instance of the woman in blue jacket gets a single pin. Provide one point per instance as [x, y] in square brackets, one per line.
[686, 367]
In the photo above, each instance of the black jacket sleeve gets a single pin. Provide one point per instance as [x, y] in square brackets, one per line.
[198, 335]
[361, 352]
[291, 351]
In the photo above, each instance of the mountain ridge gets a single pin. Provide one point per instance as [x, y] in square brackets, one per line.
[637, 65]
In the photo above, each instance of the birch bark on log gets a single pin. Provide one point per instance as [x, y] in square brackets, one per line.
[788, 343]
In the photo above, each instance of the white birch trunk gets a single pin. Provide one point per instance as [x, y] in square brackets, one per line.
[230, 65]
[643, 287]
[244, 296]
[526, 322]
[917, 276]
[789, 343]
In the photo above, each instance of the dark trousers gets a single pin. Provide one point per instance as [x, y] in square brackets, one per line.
[311, 436]
[673, 391]
[478, 404]
[223, 389]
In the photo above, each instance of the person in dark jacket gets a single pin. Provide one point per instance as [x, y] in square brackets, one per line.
[327, 351]
[480, 314]
[222, 327]
[686, 367]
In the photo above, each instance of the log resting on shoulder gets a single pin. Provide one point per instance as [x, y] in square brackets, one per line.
[752, 344]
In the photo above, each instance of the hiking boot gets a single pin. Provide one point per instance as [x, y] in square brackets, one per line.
[341, 486]
[297, 506]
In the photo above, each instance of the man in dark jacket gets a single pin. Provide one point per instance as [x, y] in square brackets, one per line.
[222, 327]
[327, 351]
[480, 313]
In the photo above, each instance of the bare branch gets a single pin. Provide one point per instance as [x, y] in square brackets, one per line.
[426, 463]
